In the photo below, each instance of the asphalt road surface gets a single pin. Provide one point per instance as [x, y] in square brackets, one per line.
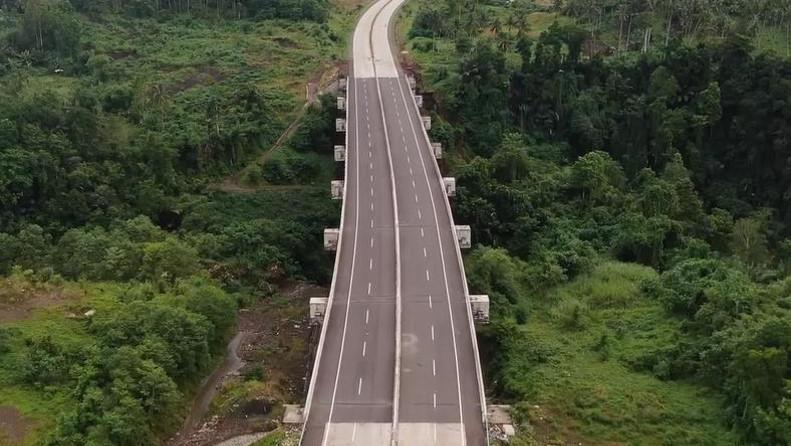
[398, 361]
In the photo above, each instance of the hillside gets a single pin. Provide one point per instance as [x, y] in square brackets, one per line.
[628, 201]
[122, 263]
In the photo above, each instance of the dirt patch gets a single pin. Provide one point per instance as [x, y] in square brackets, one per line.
[284, 42]
[123, 54]
[13, 426]
[274, 351]
[20, 297]
[205, 75]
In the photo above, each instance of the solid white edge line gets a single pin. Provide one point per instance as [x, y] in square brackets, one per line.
[478, 370]
[463, 432]
[351, 275]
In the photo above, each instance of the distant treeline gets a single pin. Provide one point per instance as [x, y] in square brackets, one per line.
[315, 10]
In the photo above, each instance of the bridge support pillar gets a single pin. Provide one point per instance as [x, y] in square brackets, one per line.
[340, 125]
[502, 427]
[426, 122]
[436, 147]
[293, 414]
[464, 236]
[336, 189]
[340, 153]
[450, 186]
[479, 304]
[318, 306]
[331, 239]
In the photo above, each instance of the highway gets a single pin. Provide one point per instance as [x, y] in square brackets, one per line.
[397, 361]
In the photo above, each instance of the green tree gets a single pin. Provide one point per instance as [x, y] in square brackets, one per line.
[168, 259]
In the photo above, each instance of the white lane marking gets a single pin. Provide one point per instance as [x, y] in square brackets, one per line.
[369, 288]
[430, 304]
[372, 242]
[369, 134]
[432, 332]
[354, 432]
[427, 276]
[413, 184]
[372, 223]
[425, 253]
[369, 144]
[351, 276]
[435, 398]
[416, 200]
[365, 344]
[372, 191]
[433, 362]
[360, 389]
[371, 166]
[463, 438]
[410, 171]
[370, 154]
[408, 160]
[371, 263]
[367, 313]
[419, 215]
[422, 232]
[372, 206]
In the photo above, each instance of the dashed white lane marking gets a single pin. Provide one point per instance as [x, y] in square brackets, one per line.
[354, 432]
[372, 242]
[430, 304]
[369, 134]
[433, 362]
[371, 263]
[422, 232]
[416, 199]
[367, 313]
[435, 398]
[371, 166]
[369, 144]
[372, 223]
[372, 178]
[360, 389]
[372, 191]
[419, 215]
[365, 345]
[425, 253]
[432, 332]
[410, 171]
[370, 154]
[372, 206]
[427, 276]
[413, 184]
[408, 160]
[369, 288]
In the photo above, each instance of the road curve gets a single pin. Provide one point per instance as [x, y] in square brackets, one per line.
[397, 362]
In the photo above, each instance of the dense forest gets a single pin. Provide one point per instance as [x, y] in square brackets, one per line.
[117, 120]
[632, 216]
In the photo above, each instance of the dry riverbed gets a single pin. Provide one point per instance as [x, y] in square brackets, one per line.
[264, 368]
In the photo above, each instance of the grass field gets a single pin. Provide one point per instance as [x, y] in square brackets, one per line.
[573, 369]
